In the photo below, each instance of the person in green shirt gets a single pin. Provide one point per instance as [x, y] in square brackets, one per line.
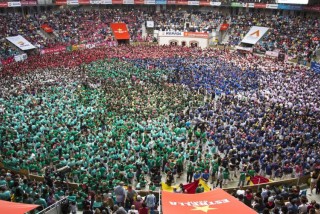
[200, 189]
[242, 178]
[226, 176]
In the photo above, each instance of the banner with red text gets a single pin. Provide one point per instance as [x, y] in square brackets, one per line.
[216, 201]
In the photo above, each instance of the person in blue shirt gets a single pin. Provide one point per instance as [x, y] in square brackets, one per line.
[196, 175]
[205, 176]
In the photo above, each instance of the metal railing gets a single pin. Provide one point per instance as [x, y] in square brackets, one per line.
[54, 208]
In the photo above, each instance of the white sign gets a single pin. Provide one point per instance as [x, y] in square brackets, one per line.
[244, 48]
[72, 2]
[272, 6]
[95, 2]
[254, 35]
[14, 4]
[251, 5]
[21, 42]
[171, 33]
[272, 53]
[106, 1]
[293, 1]
[20, 57]
[150, 24]
[215, 3]
[193, 3]
[128, 1]
[149, 1]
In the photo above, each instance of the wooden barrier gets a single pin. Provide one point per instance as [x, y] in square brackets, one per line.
[287, 182]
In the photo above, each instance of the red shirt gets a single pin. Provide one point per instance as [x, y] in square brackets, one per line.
[143, 210]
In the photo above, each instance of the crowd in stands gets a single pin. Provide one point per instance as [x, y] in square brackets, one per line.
[135, 115]
[85, 25]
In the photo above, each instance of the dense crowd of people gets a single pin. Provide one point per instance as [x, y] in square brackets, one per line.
[88, 25]
[138, 115]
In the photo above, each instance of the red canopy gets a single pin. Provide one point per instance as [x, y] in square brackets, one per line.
[216, 201]
[15, 208]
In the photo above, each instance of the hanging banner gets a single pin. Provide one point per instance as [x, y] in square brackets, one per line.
[72, 2]
[161, 1]
[106, 1]
[28, 3]
[250, 5]
[196, 34]
[14, 4]
[272, 53]
[254, 35]
[217, 4]
[204, 3]
[84, 2]
[272, 6]
[61, 2]
[312, 8]
[138, 1]
[128, 1]
[193, 3]
[20, 57]
[315, 67]
[117, 2]
[3, 4]
[236, 4]
[181, 2]
[53, 50]
[171, 33]
[224, 27]
[260, 5]
[289, 7]
[293, 1]
[171, 2]
[149, 1]
[46, 28]
[120, 31]
[95, 2]
[216, 201]
[20, 42]
[150, 24]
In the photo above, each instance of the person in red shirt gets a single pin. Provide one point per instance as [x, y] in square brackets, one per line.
[144, 209]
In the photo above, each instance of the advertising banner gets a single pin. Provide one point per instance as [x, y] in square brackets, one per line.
[204, 3]
[128, 1]
[46, 28]
[272, 6]
[196, 34]
[272, 53]
[84, 2]
[72, 2]
[61, 2]
[20, 57]
[236, 4]
[28, 3]
[150, 24]
[106, 2]
[247, 49]
[315, 67]
[312, 8]
[171, 1]
[260, 5]
[14, 4]
[181, 2]
[171, 33]
[120, 31]
[53, 50]
[216, 201]
[224, 27]
[161, 1]
[289, 7]
[194, 3]
[254, 35]
[138, 1]
[293, 1]
[95, 2]
[21, 42]
[217, 4]
[149, 1]
[3, 4]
